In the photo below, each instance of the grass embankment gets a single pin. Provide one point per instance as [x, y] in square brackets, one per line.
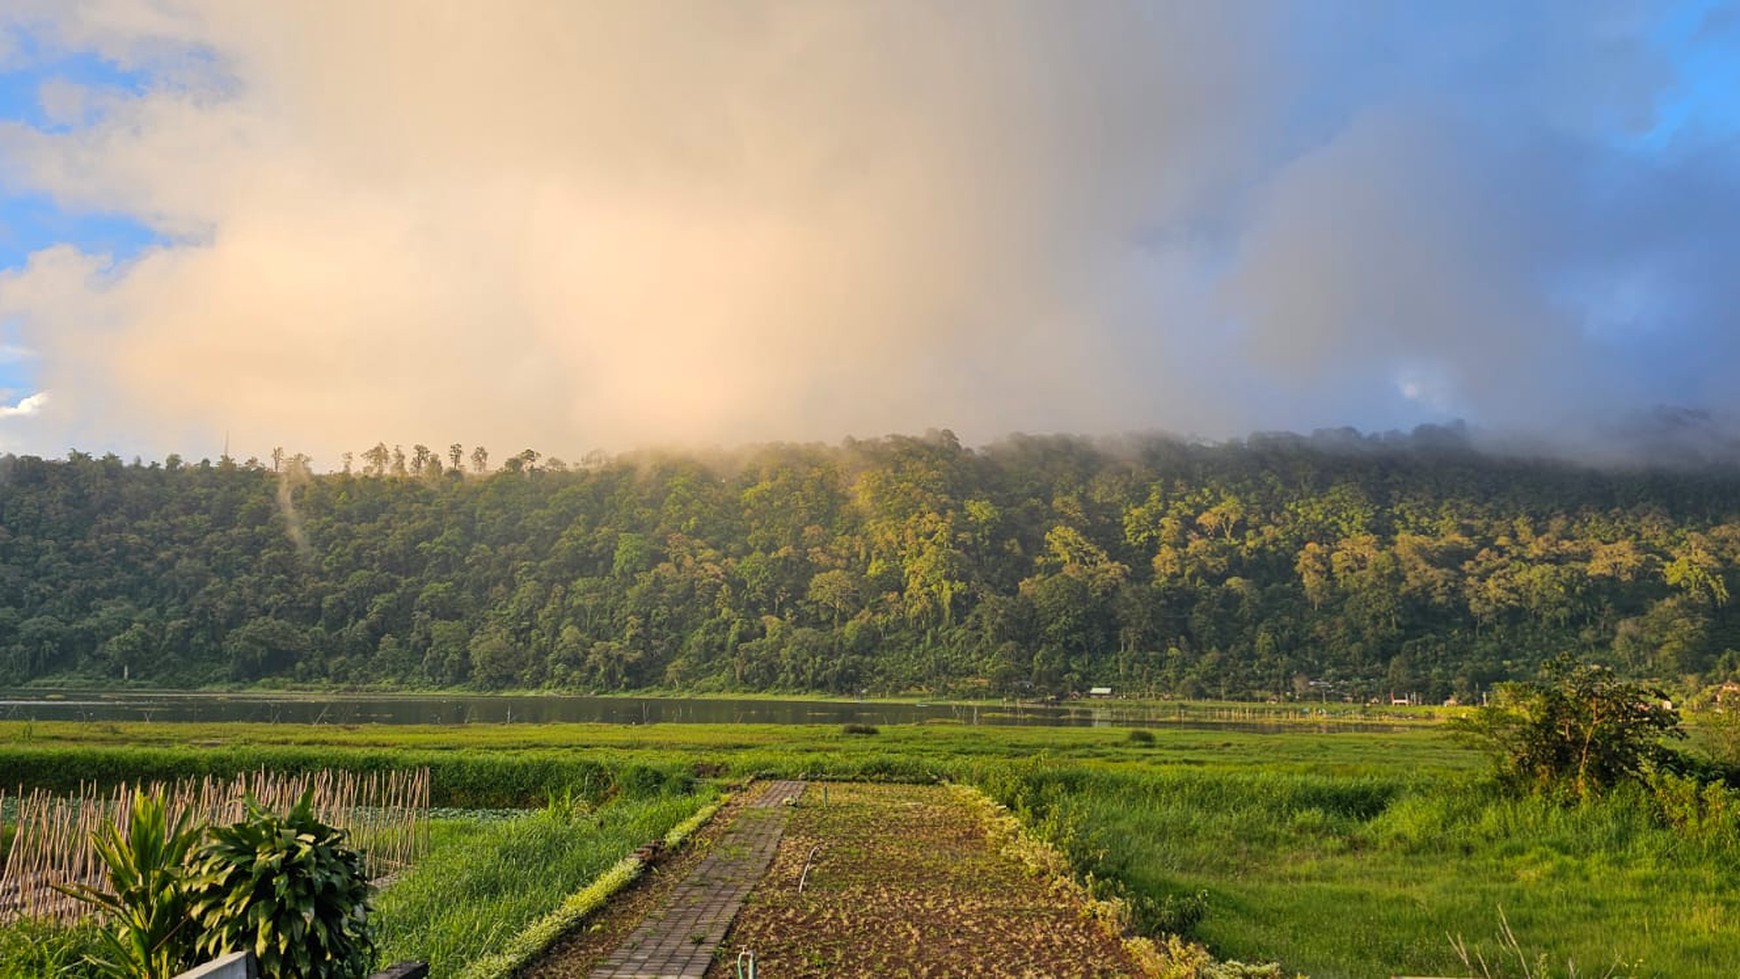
[1339, 852]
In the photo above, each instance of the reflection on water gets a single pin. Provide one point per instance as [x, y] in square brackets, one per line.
[73, 705]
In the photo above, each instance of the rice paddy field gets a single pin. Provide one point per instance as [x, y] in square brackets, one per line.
[1338, 852]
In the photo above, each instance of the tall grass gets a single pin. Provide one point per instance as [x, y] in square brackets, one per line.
[483, 883]
[45, 950]
[1376, 875]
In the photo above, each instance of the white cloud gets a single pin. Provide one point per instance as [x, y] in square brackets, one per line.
[578, 225]
[26, 407]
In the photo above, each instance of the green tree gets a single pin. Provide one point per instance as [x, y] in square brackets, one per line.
[1580, 729]
[836, 590]
[495, 659]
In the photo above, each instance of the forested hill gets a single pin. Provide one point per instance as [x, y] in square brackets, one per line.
[1279, 566]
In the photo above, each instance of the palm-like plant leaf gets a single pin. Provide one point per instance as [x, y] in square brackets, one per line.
[150, 935]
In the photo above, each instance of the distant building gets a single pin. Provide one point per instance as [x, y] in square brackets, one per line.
[1099, 691]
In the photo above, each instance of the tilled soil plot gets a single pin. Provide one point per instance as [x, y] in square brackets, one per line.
[903, 882]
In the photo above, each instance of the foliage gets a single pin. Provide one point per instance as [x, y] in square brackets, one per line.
[1580, 729]
[1323, 567]
[150, 934]
[1695, 808]
[1177, 958]
[286, 889]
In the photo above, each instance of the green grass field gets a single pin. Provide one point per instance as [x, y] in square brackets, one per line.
[1341, 853]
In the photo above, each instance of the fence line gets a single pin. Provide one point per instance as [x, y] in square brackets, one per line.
[384, 813]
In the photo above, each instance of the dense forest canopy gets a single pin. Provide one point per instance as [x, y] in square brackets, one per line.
[1282, 566]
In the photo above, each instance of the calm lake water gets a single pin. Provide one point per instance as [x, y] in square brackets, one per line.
[304, 708]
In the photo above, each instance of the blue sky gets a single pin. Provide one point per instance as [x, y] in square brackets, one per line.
[1703, 40]
[673, 222]
[32, 220]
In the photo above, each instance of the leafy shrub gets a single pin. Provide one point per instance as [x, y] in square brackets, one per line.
[868, 729]
[1696, 809]
[1577, 731]
[1139, 735]
[1173, 914]
[288, 890]
[149, 936]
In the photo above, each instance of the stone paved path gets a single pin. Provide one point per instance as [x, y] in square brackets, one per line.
[678, 940]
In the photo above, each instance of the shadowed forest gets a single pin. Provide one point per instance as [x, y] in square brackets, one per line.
[1324, 567]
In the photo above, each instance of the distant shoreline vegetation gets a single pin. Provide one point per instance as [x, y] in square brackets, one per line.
[1279, 568]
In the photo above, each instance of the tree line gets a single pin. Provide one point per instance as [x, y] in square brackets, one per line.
[1283, 567]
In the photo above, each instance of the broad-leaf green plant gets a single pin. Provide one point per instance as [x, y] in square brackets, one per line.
[150, 935]
[287, 889]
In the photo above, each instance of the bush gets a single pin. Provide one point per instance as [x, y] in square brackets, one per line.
[286, 889]
[859, 729]
[1140, 736]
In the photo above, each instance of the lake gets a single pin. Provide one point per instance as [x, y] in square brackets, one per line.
[346, 708]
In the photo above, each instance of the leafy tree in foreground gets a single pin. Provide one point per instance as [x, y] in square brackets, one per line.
[1579, 728]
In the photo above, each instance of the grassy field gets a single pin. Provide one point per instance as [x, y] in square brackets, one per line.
[1341, 853]
[1374, 875]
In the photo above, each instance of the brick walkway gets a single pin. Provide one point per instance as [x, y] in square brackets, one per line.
[678, 940]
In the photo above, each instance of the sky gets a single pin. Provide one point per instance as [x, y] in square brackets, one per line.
[321, 225]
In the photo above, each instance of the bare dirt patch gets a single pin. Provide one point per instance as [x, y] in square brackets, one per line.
[904, 882]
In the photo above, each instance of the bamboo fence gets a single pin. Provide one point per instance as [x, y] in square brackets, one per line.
[385, 815]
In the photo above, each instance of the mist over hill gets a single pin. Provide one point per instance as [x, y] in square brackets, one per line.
[1329, 565]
